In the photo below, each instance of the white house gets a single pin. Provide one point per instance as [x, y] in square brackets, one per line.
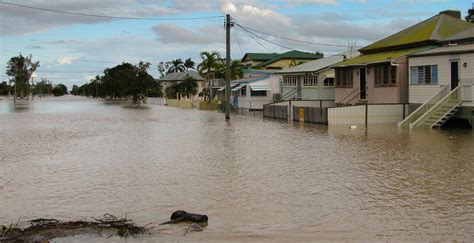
[255, 89]
[441, 85]
[313, 80]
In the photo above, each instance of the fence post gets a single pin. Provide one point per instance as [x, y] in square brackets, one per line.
[366, 113]
[289, 110]
[403, 111]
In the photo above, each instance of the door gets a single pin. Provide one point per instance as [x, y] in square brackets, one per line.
[454, 75]
[362, 84]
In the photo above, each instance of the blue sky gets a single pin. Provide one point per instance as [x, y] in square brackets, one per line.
[60, 41]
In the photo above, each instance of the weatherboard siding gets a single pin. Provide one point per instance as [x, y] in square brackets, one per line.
[421, 93]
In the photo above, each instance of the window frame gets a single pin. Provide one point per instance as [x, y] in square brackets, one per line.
[288, 81]
[424, 75]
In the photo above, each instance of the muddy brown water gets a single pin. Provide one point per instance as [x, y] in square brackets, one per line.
[257, 179]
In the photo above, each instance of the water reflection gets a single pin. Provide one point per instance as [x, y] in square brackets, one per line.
[257, 179]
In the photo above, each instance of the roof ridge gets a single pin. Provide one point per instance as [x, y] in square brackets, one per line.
[435, 34]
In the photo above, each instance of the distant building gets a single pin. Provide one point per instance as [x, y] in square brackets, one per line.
[272, 61]
[174, 78]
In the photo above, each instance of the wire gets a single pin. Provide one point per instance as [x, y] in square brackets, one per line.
[107, 16]
[46, 71]
[56, 57]
[238, 41]
[42, 77]
[258, 42]
[290, 39]
[276, 44]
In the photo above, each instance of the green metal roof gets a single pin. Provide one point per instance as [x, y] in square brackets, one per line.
[435, 28]
[379, 57]
[289, 55]
[260, 56]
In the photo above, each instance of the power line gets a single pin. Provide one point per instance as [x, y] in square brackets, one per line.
[238, 41]
[290, 39]
[271, 42]
[258, 42]
[107, 16]
[42, 77]
[56, 57]
[46, 71]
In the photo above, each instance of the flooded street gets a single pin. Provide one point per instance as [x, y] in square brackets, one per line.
[257, 179]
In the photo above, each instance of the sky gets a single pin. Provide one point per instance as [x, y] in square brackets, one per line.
[72, 49]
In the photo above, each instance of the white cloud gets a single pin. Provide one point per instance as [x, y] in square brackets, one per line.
[65, 60]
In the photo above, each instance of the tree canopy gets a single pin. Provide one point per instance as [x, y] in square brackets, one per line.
[20, 68]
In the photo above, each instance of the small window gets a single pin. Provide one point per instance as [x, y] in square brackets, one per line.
[243, 91]
[329, 82]
[424, 74]
[258, 93]
[310, 81]
[385, 75]
[344, 77]
[289, 81]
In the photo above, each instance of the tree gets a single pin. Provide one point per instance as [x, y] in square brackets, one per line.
[43, 87]
[319, 54]
[126, 80]
[470, 15]
[75, 90]
[210, 60]
[21, 68]
[5, 88]
[176, 66]
[189, 64]
[236, 70]
[162, 67]
[59, 90]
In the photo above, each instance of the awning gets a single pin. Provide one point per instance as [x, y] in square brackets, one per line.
[329, 75]
[231, 86]
[261, 87]
[239, 86]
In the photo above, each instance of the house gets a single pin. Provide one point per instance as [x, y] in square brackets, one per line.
[174, 78]
[313, 80]
[442, 84]
[272, 61]
[380, 74]
[255, 89]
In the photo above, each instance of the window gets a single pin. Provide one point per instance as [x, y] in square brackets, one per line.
[424, 74]
[329, 82]
[243, 91]
[289, 81]
[258, 93]
[344, 77]
[310, 81]
[385, 75]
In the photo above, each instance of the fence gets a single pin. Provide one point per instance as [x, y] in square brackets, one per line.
[275, 111]
[367, 114]
[156, 101]
[311, 114]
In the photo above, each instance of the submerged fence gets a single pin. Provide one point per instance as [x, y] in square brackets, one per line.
[312, 111]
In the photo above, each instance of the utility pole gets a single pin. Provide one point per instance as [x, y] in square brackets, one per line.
[227, 76]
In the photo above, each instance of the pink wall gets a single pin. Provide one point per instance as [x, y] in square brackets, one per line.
[341, 93]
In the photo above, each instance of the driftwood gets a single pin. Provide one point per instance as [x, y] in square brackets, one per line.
[47, 229]
[183, 216]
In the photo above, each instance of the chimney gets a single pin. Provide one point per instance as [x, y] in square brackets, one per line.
[452, 13]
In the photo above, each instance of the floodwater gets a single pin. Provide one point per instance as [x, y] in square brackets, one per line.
[257, 179]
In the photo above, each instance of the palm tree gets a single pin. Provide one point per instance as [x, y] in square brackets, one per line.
[236, 70]
[176, 66]
[189, 64]
[189, 86]
[207, 67]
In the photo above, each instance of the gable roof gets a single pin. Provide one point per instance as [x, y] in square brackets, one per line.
[446, 50]
[181, 76]
[289, 55]
[434, 29]
[319, 64]
[259, 56]
[379, 57]
[461, 36]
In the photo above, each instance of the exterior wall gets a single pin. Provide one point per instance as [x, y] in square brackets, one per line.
[317, 92]
[421, 93]
[257, 102]
[376, 114]
[376, 95]
[341, 94]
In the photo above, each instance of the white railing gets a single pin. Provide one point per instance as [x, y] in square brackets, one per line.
[441, 109]
[424, 107]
